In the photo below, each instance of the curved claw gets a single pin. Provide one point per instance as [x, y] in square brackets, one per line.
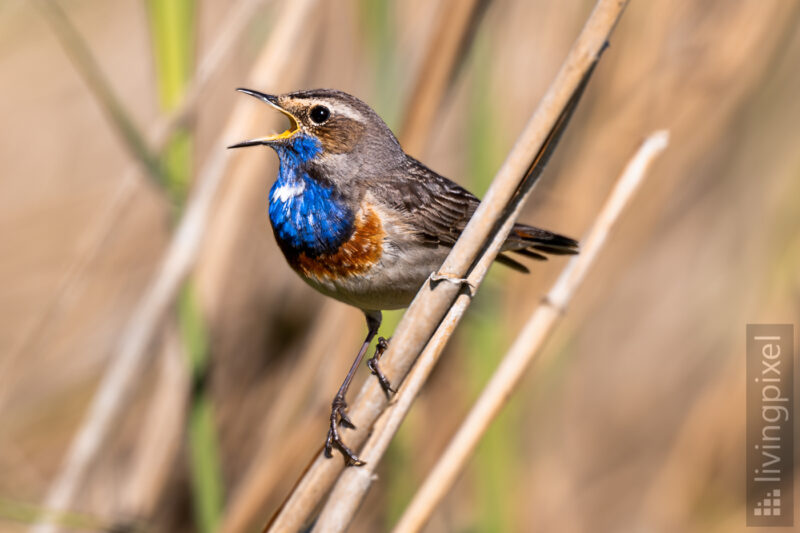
[338, 416]
[372, 364]
[345, 421]
[350, 458]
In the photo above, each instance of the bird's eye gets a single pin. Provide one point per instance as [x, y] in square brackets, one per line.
[319, 114]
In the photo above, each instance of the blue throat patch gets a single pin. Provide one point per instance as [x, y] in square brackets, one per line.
[307, 217]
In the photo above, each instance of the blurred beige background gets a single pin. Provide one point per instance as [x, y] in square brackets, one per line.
[634, 417]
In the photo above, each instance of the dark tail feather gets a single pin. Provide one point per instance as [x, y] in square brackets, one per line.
[527, 252]
[555, 250]
[535, 242]
[513, 263]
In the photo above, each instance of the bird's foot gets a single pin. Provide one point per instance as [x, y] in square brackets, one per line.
[374, 367]
[339, 416]
[436, 277]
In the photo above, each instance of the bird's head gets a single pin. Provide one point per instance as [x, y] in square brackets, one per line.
[327, 127]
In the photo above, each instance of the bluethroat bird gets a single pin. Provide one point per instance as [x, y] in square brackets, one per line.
[363, 222]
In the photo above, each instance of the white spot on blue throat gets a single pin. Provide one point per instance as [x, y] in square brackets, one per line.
[287, 190]
[307, 216]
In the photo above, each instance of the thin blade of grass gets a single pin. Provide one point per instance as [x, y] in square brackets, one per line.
[172, 28]
[173, 33]
[106, 223]
[85, 63]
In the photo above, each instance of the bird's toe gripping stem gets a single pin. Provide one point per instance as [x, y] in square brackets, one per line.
[339, 416]
[374, 367]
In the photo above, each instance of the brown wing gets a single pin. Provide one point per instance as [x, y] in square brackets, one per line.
[437, 208]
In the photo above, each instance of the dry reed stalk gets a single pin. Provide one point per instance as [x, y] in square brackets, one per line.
[100, 232]
[219, 248]
[354, 483]
[455, 20]
[228, 34]
[161, 434]
[117, 384]
[253, 490]
[84, 61]
[522, 353]
[431, 304]
[678, 483]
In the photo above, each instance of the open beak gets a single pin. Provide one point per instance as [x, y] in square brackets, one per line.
[273, 101]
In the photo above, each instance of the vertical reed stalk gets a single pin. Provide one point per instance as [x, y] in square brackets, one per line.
[173, 32]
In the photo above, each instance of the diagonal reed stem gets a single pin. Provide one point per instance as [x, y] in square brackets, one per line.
[522, 353]
[105, 224]
[456, 24]
[85, 63]
[353, 484]
[433, 301]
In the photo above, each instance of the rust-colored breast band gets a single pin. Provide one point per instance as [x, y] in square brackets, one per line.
[356, 256]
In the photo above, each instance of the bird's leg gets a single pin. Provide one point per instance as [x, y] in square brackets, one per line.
[372, 364]
[339, 405]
